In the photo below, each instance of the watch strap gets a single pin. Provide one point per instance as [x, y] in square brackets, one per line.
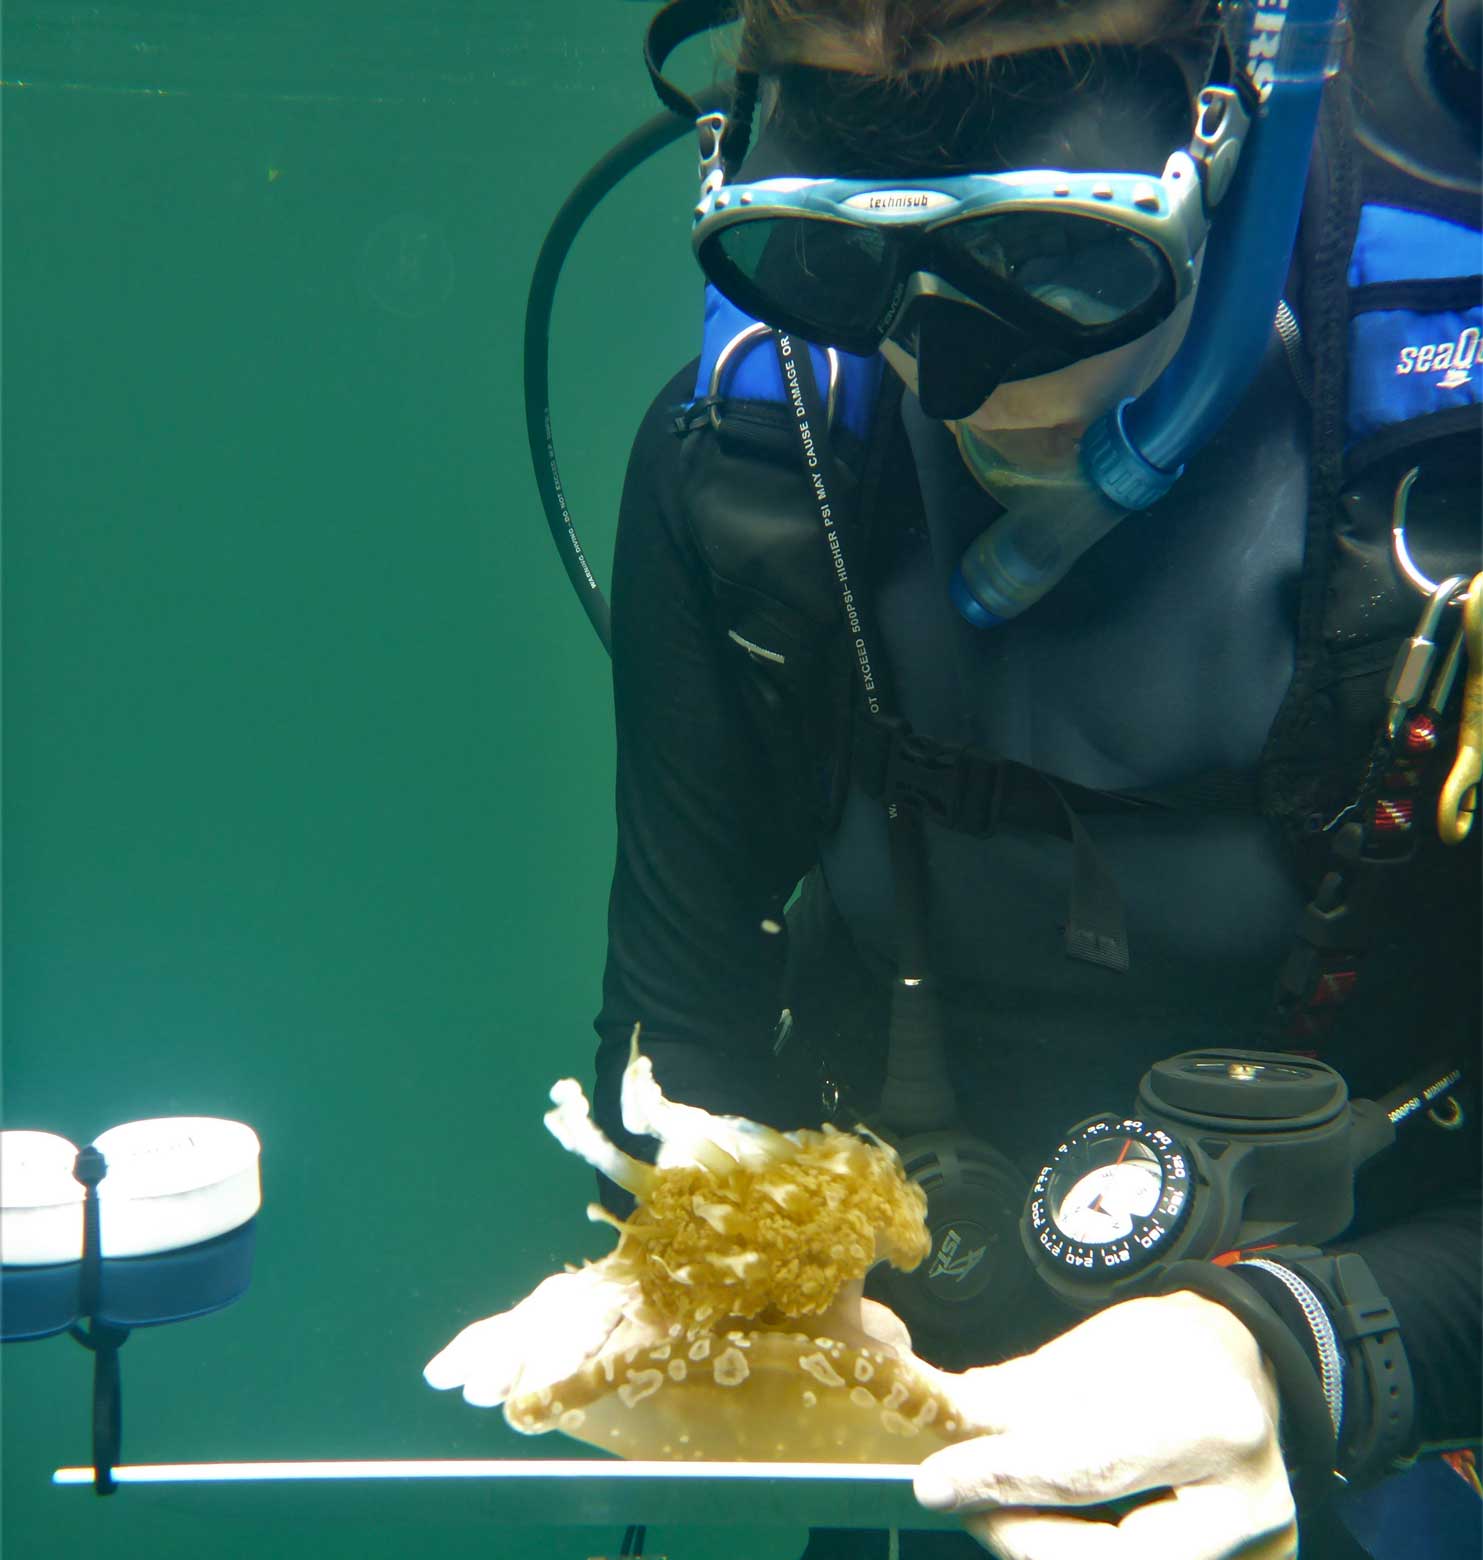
[1378, 1434]
[1307, 1432]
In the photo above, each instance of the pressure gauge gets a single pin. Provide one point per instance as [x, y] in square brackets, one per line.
[1111, 1201]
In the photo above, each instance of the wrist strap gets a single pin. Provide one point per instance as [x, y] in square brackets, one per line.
[1379, 1424]
[1308, 1433]
[1326, 1352]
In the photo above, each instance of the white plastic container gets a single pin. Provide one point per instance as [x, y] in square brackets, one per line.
[173, 1181]
[41, 1216]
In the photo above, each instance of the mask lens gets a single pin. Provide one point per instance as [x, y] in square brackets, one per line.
[1091, 273]
[832, 281]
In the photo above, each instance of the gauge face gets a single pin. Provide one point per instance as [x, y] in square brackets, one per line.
[1101, 1206]
[1113, 1198]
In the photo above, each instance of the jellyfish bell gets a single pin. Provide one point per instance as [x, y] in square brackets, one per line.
[749, 1391]
[745, 1337]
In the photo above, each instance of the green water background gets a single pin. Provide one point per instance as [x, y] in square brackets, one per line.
[308, 748]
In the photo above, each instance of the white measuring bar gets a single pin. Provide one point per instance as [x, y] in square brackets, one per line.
[593, 1492]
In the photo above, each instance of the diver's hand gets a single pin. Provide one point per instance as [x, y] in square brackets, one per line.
[1169, 1393]
[886, 1330]
[565, 1321]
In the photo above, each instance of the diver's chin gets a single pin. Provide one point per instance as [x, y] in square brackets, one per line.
[1031, 449]
[1028, 448]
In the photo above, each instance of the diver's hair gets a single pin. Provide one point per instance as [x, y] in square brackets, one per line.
[887, 39]
[937, 73]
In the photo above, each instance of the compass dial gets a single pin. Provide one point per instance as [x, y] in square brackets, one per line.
[1101, 1206]
[1111, 1201]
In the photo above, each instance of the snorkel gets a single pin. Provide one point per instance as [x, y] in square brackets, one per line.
[1130, 457]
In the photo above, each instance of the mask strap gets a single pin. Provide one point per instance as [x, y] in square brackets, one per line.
[1205, 58]
[678, 22]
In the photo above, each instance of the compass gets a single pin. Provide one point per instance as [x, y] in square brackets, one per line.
[1111, 1201]
[1223, 1151]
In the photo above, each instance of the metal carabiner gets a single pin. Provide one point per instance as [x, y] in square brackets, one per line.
[1413, 661]
[1398, 547]
[1441, 689]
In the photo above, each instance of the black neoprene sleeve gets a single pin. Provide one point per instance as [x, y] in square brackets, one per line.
[695, 949]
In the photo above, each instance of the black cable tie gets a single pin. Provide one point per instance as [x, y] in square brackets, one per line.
[101, 1340]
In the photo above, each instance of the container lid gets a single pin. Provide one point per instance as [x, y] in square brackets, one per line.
[175, 1180]
[167, 1155]
[36, 1170]
[172, 1181]
[40, 1202]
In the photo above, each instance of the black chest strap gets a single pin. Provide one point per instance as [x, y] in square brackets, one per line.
[971, 791]
[967, 791]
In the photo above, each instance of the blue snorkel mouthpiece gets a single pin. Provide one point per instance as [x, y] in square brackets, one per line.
[1133, 455]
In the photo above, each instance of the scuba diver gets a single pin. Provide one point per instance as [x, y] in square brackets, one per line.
[1072, 834]
[1005, 626]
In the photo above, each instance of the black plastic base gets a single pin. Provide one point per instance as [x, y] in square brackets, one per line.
[172, 1286]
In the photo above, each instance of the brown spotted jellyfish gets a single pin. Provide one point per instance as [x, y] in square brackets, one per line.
[728, 1324]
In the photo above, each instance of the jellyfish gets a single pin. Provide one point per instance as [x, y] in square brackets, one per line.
[728, 1323]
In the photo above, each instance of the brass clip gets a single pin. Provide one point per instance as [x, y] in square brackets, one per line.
[1459, 799]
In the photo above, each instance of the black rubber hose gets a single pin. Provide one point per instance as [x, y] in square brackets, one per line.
[1454, 49]
[637, 147]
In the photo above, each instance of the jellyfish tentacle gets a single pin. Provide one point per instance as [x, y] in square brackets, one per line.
[571, 1124]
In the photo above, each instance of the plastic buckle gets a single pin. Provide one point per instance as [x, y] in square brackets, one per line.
[924, 775]
[1220, 132]
[711, 130]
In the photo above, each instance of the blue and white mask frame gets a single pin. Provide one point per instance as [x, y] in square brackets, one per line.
[1065, 264]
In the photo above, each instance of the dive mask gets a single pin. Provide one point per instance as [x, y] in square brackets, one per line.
[1046, 267]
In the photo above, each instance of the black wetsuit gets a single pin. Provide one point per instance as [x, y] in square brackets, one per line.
[1164, 654]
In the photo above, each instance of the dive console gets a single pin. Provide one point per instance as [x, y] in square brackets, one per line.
[1227, 1150]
